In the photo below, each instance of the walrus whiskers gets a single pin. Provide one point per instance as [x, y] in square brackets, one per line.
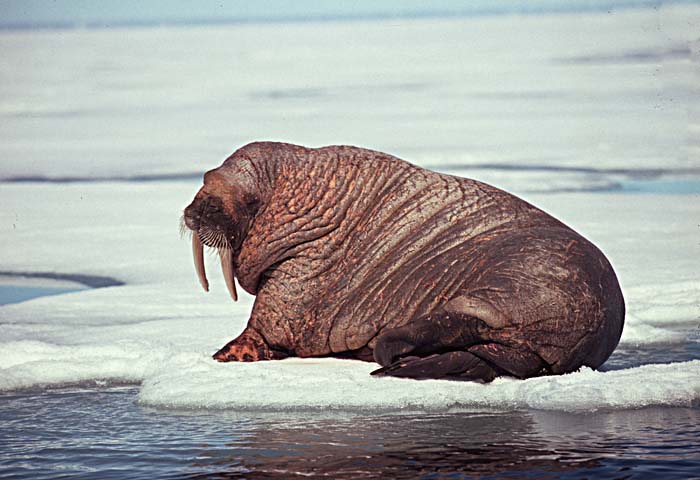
[214, 239]
[183, 228]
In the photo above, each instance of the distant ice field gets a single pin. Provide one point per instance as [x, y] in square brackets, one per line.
[593, 90]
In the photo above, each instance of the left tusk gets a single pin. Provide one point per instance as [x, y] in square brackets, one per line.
[198, 254]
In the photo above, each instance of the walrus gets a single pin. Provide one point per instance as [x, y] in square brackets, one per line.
[354, 253]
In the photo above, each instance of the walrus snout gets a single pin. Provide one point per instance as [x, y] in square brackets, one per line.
[204, 217]
[199, 211]
[191, 222]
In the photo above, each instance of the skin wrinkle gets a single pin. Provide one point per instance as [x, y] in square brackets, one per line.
[405, 255]
[429, 255]
[389, 189]
[339, 253]
[428, 292]
[353, 247]
[313, 195]
[260, 311]
[385, 248]
[337, 243]
[368, 251]
[382, 284]
[438, 249]
[367, 296]
[345, 244]
[319, 222]
[341, 238]
[341, 213]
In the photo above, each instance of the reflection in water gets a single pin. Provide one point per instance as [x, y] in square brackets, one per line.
[91, 433]
[518, 444]
[396, 446]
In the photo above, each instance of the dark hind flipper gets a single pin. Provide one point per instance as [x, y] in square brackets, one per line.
[456, 365]
[516, 362]
[451, 345]
[427, 335]
[482, 362]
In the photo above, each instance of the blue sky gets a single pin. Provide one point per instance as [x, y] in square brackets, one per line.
[86, 12]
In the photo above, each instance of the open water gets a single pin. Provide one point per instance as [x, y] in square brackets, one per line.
[104, 433]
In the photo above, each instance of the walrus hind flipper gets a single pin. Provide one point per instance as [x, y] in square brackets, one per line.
[453, 346]
[434, 333]
[482, 362]
[448, 366]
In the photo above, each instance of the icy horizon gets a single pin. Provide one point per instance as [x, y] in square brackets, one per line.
[69, 14]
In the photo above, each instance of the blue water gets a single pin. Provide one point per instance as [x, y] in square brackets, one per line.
[27, 14]
[675, 186]
[21, 293]
[83, 433]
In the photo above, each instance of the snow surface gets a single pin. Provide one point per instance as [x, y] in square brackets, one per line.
[575, 92]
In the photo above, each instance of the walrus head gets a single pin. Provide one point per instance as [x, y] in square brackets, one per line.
[219, 217]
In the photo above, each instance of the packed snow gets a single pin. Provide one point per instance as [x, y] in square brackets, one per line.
[603, 98]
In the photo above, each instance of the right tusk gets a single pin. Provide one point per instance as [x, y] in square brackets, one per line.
[227, 269]
[198, 254]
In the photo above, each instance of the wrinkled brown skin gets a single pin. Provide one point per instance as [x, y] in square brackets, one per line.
[354, 253]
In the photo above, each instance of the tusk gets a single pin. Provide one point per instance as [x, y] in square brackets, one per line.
[198, 254]
[227, 268]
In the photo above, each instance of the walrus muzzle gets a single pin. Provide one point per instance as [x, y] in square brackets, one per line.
[226, 266]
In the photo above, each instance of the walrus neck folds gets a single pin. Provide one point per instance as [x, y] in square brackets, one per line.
[292, 206]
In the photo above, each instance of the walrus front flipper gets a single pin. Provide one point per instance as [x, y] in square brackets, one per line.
[457, 365]
[249, 346]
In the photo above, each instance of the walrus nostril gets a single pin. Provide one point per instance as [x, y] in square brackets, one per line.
[190, 222]
[191, 217]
